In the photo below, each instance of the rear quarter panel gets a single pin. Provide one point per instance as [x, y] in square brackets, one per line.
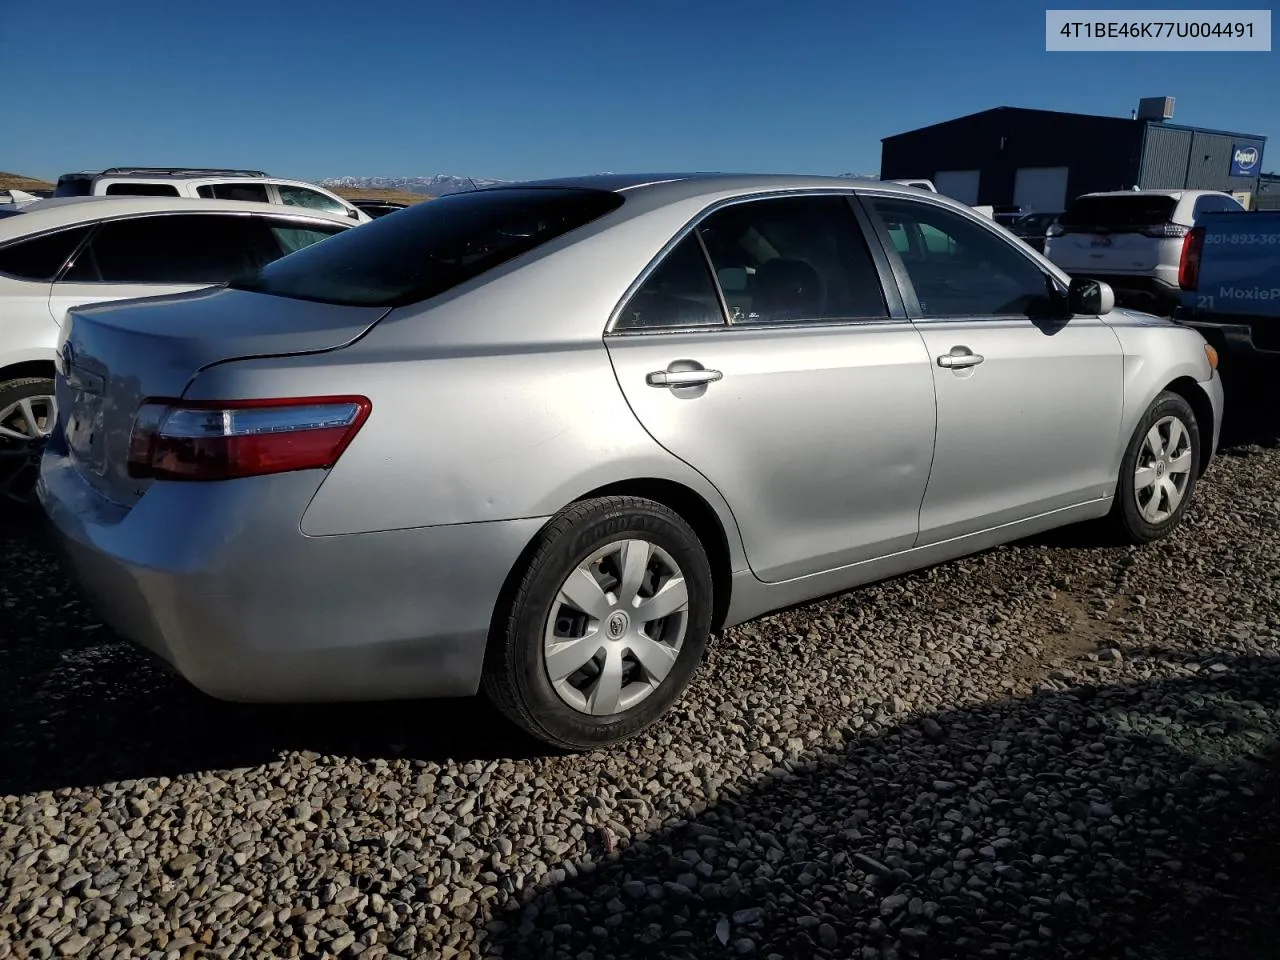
[497, 402]
[501, 435]
[27, 331]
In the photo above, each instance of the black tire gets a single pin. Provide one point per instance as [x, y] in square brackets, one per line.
[20, 463]
[1126, 516]
[516, 678]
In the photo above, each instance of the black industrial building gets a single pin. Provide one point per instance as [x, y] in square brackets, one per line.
[1041, 159]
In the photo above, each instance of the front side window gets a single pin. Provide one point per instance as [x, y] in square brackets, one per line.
[128, 189]
[959, 268]
[430, 248]
[251, 192]
[680, 292]
[168, 248]
[311, 199]
[40, 258]
[790, 259]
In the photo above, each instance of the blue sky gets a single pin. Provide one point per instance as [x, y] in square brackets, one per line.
[315, 88]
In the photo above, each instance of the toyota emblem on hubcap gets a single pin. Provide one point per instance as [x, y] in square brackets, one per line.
[617, 625]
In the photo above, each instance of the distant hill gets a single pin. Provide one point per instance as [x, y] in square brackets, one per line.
[439, 185]
[16, 181]
[374, 193]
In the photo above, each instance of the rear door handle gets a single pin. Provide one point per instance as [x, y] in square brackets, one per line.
[682, 378]
[958, 361]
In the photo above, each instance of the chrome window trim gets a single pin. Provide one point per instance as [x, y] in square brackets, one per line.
[912, 302]
[728, 324]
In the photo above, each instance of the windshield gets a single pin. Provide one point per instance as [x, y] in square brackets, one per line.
[1139, 210]
[431, 247]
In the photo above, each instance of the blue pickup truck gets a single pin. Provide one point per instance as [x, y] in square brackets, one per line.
[1230, 280]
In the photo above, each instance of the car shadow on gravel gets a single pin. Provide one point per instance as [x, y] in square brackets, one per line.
[80, 706]
[1251, 415]
[1137, 820]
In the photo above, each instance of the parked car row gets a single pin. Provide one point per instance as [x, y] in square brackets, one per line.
[206, 184]
[546, 439]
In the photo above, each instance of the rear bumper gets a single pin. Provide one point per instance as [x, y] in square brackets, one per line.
[218, 580]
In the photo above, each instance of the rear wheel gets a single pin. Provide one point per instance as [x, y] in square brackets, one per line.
[1158, 475]
[606, 626]
[27, 416]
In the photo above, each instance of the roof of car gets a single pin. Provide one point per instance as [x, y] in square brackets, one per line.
[174, 172]
[1172, 194]
[66, 211]
[669, 187]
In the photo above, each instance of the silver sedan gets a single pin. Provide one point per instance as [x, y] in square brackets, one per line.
[545, 440]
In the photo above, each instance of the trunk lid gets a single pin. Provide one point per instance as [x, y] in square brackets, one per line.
[112, 357]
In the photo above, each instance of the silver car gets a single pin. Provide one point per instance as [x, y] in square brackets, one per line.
[547, 439]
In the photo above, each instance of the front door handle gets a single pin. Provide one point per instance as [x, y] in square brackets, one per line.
[958, 361]
[682, 378]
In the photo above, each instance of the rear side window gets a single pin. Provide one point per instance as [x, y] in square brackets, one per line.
[141, 190]
[252, 192]
[311, 199]
[290, 236]
[680, 292]
[41, 258]
[73, 187]
[1115, 213]
[1211, 204]
[195, 248]
[790, 259]
[431, 247]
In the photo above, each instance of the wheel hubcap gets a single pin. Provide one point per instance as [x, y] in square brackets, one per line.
[616, 627]
[25, 426]
[1164, 470]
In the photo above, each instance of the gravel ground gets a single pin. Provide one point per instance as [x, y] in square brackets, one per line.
[1053, 749]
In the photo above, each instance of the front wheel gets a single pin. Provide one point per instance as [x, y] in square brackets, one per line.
[606, 627]
[27, 415]
[1158, 474]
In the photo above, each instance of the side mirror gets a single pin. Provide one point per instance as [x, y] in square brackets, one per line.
[353, 213]
[1090, 297]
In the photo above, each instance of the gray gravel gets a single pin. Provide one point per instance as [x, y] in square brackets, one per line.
[1053, 749]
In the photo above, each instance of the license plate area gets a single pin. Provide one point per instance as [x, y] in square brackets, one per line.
[84, 432]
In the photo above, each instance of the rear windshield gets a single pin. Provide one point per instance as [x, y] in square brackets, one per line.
[430, 247]
[73, 187]
[1135, 211]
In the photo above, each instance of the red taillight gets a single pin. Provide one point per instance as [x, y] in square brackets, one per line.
[1189, 264]
[223, 440]
[1167, 231]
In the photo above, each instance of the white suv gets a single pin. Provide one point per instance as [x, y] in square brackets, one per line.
[206, 184]
[60, 253]
[1132, 240]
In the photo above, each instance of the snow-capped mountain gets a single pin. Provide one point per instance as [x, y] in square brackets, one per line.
[443, 183]
[437, 186]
